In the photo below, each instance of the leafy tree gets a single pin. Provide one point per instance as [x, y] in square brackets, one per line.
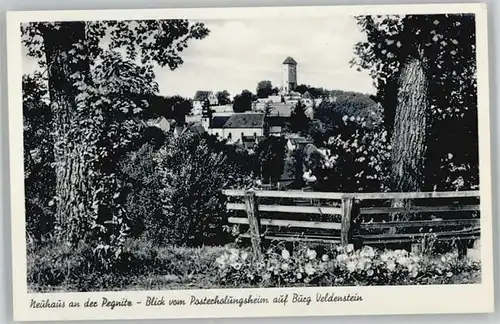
[265, 89]
[95, 95]
[299, 121]
[314, 91]
[181, 107]
[270, 155]
[424, 67]
[223, 97]
[175, 107]
[318, 132]
[243, 102]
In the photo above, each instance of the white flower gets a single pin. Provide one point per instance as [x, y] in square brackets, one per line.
[369, 273]
[361, 264]
[236, 266]
[403, 261]
[299, 275]
[311, 254]
[284, 266]
[368, 252]
[309, 269]
[325, 258]
[391, 265]
[233, 258]
[285, 254]
[351, 266]
[341, 257]
[384, 257]
[350, 248]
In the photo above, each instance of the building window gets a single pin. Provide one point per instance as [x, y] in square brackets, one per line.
[229, 136]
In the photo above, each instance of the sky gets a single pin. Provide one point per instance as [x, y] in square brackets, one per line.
[237, 54]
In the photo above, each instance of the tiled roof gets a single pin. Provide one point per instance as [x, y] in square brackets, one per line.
[245, 120]
[218, 121]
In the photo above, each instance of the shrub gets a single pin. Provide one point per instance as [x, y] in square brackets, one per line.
[193, 170]
[142, 201]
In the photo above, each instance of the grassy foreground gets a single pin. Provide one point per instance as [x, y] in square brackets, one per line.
[56, 268]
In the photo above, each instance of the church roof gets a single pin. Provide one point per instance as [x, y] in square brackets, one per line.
[245, 120]
[218, 121]
[289, 60]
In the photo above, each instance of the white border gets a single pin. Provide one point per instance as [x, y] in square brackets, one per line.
[376, 300]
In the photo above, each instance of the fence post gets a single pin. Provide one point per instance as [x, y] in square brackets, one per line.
[345, 230]
[254, 224]
[462, 248]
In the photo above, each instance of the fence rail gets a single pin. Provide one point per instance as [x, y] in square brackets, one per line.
[357, 217]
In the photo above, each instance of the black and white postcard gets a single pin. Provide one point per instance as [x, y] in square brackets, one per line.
[250, 162]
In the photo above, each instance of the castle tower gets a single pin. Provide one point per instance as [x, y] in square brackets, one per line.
[289, 75]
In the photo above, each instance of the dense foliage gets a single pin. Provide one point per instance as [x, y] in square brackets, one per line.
[265, 89]
[446, 45]
[192, 171]
[243, 102]
[352, 146]
[92, 118]
[223, 97]
[356, 159]
[299, 121]
[38, 157]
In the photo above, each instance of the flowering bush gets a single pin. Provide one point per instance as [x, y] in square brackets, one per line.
[357, 157]
[338, 266]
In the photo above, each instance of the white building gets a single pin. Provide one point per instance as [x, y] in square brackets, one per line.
[237, 126]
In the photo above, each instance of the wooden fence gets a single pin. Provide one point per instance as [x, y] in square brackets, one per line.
[357, 218]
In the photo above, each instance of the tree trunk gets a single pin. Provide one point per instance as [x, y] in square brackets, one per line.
[410, 126]
[68, 68]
